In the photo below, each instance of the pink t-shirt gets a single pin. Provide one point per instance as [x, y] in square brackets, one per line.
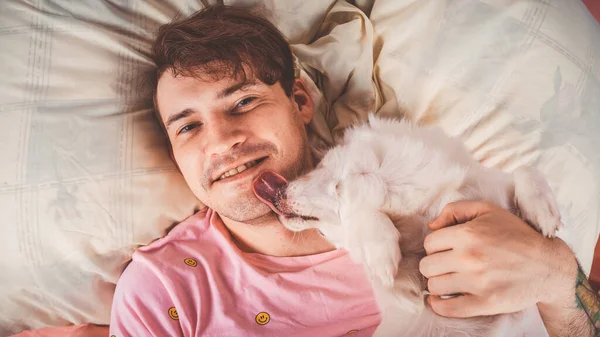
[196, 282]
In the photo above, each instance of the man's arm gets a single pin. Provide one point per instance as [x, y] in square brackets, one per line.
[577, 311]
[491, 255]
[588, 300]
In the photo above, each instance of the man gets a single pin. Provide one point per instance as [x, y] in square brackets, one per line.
[230, 106]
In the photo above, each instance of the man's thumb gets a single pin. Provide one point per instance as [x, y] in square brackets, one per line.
[459, 212]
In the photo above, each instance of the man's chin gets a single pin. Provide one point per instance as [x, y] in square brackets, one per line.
[248, 210]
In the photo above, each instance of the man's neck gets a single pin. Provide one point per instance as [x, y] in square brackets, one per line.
[269, 237]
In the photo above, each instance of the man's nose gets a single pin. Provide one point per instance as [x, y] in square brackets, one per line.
[222, 137]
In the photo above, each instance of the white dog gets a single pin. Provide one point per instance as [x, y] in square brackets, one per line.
[374, 194]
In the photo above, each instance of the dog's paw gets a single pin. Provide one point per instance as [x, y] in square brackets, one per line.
[381, 259]
[535, 201]
[374, 242]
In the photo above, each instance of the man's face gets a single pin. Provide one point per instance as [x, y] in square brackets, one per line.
[224, 133]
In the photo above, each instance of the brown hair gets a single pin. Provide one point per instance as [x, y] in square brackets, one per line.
[220, 41]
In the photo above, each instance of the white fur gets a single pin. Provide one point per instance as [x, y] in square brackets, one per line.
[374, 194]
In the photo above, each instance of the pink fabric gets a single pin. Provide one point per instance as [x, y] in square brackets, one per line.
[86, 330]
[197, 282]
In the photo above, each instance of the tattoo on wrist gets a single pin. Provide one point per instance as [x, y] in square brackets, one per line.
[588, 300]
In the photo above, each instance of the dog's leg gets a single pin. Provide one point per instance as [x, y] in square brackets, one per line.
[536, 201]
[373, 240]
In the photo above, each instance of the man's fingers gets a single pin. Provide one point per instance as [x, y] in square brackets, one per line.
[439, 264]
[441, 240]
[463, 306]
[448, 284]
[460, 212]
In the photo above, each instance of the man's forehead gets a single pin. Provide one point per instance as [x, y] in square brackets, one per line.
[178, 92]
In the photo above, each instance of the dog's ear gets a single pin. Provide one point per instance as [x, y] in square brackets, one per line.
[364, 158]
[362, 188]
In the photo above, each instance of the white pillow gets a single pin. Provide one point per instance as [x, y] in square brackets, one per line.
[519, 81]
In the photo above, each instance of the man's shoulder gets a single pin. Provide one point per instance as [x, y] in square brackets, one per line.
[170, 255]
[190, 229]
[186, 241]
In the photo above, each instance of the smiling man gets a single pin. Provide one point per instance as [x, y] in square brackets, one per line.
[231, 108]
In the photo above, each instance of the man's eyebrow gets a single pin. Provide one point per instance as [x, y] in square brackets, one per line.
[180, 115]
[222, 94]
[235, 87]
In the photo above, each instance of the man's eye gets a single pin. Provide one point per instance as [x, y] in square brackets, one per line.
[187, 128]
[245, 102]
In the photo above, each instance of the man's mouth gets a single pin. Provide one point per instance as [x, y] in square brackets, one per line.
[241, 168]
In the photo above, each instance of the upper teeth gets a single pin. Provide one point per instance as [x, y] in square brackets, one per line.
[238, 169]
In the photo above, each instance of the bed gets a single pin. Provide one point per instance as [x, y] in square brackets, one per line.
[85, 177]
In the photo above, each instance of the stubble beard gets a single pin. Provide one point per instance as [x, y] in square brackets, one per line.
[249, 209]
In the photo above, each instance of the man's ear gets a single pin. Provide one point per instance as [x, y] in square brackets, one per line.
[303, 101]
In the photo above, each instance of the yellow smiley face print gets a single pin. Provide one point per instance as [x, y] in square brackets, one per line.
[262, 318]
[173, 313]
[190, 262]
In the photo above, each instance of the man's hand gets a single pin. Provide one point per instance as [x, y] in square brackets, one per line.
[496, 260]
[502, 265]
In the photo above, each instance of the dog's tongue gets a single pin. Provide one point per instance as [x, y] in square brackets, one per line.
[268, 188]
